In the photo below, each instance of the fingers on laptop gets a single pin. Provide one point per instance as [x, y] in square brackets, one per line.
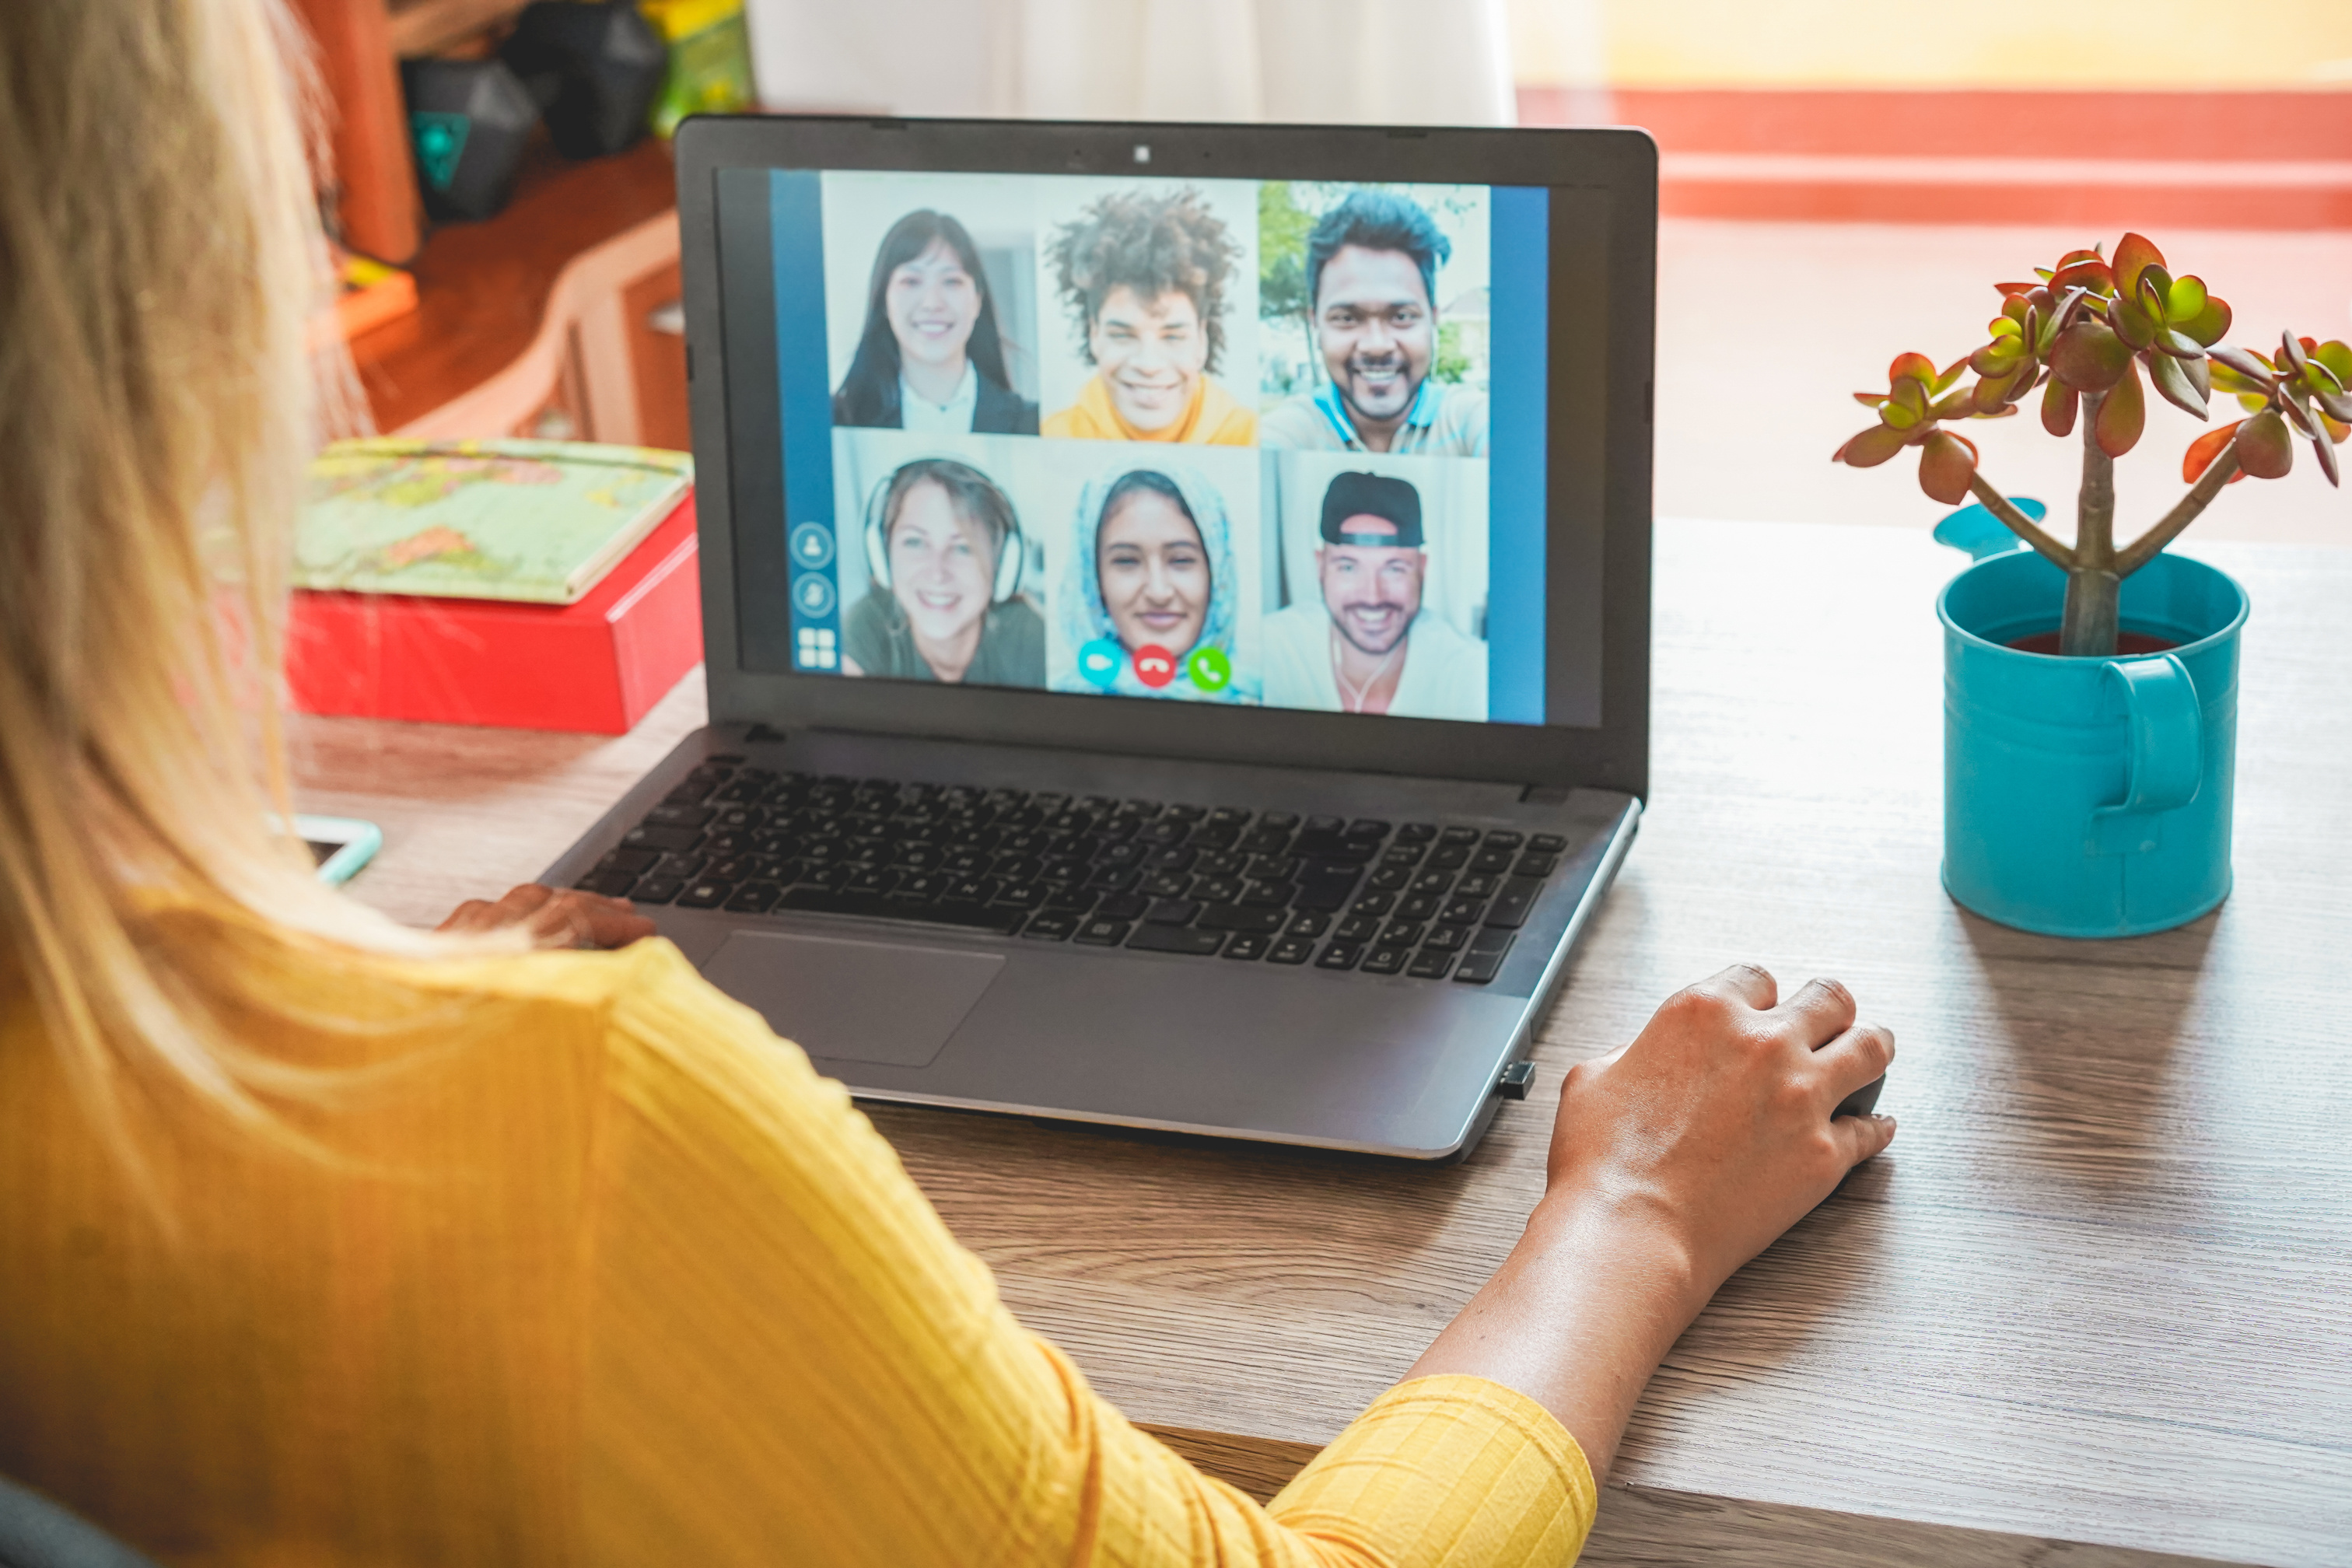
[567, 919]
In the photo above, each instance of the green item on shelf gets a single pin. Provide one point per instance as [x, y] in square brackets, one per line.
[536, 521]
[709, 59]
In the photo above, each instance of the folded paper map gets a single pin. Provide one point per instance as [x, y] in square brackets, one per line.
[540, 521]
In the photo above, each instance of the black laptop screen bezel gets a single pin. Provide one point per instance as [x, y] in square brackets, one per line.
[1605, 419]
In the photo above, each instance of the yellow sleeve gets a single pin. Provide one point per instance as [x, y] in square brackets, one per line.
[789, 1359]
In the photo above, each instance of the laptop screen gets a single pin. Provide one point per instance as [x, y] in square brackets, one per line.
[1262, 443]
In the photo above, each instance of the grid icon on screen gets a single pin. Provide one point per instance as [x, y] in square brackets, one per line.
[818, 650]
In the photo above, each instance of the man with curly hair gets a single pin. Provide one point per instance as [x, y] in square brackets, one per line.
[1144, 278]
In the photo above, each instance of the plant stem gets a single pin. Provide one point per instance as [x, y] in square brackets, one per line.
[2087, 628]
[2208, 484]
[2020, 524]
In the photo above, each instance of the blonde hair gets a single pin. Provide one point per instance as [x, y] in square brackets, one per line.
[159, 262]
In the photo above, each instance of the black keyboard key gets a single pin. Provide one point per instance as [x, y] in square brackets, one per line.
[1021, 895]
[1128, 853]
[1101, 932]
[1420, 906]
[679, 866]
[946, 912]
[1456, 838]
[1223, 863]
[1357, 929]
[1291, 949]
[1463, 911]
[1231, 817]
[870, 880]
[1534, 865]
[1477, 885]
[1431, 964]
[1478, 968]
[1070, 899]
[1386, 960]
[714, 843]
[1504, 838]
[1390, 880]
[1165, 885]
[1115, 879]
[966, 863]
[680, 816]
[1366, 828]
[1239, 917]
[673, 838]
[972, 890]
[1307, 923]
[1272, 868]
[1417, 832]
[1122, 906]
[1491, 858]
[658, 890]
[1247, 945]
[1444, 939]
[1434, 882]
[1171, 912]
[705, 895]
[1405, 855]
[1373, 904]
[755, 898]
[1266, 895]
[922, 885]
[1322, 898]
[1512, 904]
[1278, 821]
[1176, 857]
[611, 884]
[1339, 955]
[1051, 926]
[1190, 943]
[1546, 844]
[1217, 890]
[1493, 943]
[1449, 857]
[1324, 827]
[635, 862]
[1404, 933]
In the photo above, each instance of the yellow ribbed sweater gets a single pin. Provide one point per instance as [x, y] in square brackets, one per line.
[601, 1272]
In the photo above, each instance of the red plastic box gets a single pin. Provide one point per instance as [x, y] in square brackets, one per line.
[597, 665]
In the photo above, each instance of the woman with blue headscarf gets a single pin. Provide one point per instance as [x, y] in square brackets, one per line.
[1153, 611]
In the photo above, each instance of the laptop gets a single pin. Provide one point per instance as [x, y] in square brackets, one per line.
[1176, 604]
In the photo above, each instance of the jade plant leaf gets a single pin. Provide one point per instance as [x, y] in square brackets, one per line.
[1947, 463]
[2060, 403]
[2123, 414]
[2134, 254]
[2205, 449]
[1870, 448]
[2089, 357]
[2179, 386]
[2265, 448]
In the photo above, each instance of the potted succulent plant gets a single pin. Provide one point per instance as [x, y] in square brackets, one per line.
[2090, 686]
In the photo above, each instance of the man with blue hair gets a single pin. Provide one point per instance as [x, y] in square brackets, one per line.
[1371, 285]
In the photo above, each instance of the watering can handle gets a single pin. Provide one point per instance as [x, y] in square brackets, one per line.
[2168, 734]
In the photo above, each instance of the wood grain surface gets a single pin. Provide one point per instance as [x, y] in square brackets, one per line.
[2096, 1304]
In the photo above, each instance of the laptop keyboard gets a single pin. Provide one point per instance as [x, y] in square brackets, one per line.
[1424, 899]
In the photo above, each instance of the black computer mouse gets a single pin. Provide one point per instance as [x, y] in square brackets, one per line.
[1862, 1101]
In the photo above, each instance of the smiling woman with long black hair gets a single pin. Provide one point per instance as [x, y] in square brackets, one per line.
[932, 356]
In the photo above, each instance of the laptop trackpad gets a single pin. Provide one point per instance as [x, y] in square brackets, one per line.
[853, 1001]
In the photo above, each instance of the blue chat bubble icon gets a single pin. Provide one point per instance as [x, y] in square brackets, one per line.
[1098, 661]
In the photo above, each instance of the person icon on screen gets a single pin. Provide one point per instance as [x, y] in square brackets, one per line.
[930, 357]
[947, 558]
[1371, 283]
[1153, 608]
[1144, 278]
[1364, 645]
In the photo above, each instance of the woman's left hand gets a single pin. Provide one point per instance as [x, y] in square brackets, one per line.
[567, 919]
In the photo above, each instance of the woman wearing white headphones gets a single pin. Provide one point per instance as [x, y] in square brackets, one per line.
[946, 556]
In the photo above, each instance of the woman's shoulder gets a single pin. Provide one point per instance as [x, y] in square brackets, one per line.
[1001, 410]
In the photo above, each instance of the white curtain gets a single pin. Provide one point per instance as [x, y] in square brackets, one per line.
[1399, 62]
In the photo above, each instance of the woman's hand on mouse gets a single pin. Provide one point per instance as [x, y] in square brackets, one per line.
[1673, 1161]
[567, 919]
[1714, 1129]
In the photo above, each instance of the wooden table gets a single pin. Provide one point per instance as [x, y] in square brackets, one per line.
[2098, 1293]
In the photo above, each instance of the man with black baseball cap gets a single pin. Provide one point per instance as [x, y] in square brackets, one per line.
[1362, 646]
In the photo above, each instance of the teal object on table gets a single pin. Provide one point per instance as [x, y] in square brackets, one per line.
[2088, 797]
